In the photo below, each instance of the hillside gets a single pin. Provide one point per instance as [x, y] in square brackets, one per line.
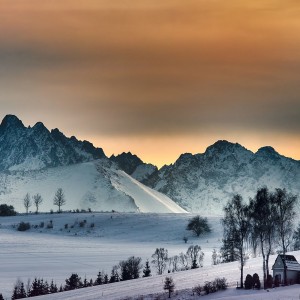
[97, 185]
[58, 252]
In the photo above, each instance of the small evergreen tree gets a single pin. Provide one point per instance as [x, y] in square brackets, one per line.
[105, 281]
[53, 288]
[74, 282]
[147, 270]
[19, 290]
[256, 281]
[99, 279]
[248, 282]
[169, 285]
[1, 297]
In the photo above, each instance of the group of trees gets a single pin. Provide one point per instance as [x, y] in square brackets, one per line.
[192, 259]
[263, 224]
[59, 200]
[125, 270]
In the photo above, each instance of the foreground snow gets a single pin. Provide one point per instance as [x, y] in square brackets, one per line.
[57, 253]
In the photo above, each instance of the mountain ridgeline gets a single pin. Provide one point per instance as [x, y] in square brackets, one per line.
[32, 148]
[205, 182]
[198, 183]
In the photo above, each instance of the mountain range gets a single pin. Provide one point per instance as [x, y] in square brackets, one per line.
[34, 159]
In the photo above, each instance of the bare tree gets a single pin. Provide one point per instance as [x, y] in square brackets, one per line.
[285, 214]
[59, 199]
[236, 225]
[195, 255]
[27, 202]
[183, 259]
[37, 199]
[160, 259]
[263, 229]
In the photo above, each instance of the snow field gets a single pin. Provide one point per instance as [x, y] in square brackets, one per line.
[57, 253]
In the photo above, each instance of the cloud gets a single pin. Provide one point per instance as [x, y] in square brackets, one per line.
[143, 68]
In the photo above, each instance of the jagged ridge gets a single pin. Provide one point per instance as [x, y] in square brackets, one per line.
[26, 148]
[205, 182]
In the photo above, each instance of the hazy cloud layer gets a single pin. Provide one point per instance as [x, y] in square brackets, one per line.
[154, 69]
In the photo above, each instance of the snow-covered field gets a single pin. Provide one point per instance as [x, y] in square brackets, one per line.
[57, 253]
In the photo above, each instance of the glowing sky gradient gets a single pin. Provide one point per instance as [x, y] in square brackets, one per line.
[157, 78]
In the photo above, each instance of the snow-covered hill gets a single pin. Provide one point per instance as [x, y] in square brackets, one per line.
[36, 160]
[205, 182]
[97, 185]
[58, 252]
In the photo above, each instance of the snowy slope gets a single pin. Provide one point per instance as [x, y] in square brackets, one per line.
[146, 199]
[56, 253]
[205, 182]
[98, 185]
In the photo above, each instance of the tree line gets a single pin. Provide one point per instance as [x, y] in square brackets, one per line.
[36, 200]
[129, 269]
[265, 223]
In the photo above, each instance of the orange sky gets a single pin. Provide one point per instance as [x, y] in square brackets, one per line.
[157, 78]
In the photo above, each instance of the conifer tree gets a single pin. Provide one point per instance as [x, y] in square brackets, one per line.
[169, 285]
[99, 280]
[147, 270]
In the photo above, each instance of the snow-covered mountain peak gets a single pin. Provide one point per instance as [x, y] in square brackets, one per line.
[30, 148]
[133, 165]
[205, 182]
[225, 148]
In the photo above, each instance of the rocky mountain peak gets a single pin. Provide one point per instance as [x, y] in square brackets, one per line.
[11, 121]
[25, 148]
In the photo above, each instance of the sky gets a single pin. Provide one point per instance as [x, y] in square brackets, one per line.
[155, 77]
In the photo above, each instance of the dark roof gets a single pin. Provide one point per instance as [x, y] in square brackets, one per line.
[288, 257]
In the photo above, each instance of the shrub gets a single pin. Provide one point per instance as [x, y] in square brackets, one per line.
[198, 289]
[23, 226]
[211, 286]
[7, 210]
[42, 224]
[92, 225]
[221, 283]
[50, 225]
[207, 287]
[248, 282]
[81, 224]
[269, 281]
[256, 281]
[66, 226]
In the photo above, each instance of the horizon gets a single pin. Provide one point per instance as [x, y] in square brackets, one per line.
[155, 78]
[159, 166]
